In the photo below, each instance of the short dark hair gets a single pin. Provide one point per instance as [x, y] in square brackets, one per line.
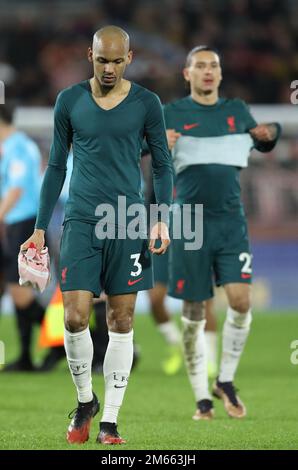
[199, 49]
[6, 113]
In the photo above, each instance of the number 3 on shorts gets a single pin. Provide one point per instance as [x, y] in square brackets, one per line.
[136, 264]
[246, 258]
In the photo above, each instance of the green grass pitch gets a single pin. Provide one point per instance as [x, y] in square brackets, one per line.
[157, 410]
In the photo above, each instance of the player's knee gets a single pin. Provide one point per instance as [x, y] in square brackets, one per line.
[75, 320]
[122, 324]
[120, 320]
[193, 311]
[240, 304]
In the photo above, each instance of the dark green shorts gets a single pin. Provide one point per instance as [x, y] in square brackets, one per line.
[116, 266]
[224, 258]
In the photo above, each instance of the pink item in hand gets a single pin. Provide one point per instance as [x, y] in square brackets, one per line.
[34, 268]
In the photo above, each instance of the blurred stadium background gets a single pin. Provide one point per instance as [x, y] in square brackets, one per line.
[43, 48]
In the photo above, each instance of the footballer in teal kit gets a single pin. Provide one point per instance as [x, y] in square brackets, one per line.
[213, 147]
[211, 138]
[105, 120]
[105, 167]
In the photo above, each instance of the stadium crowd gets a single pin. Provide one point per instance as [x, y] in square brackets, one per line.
[42, 44]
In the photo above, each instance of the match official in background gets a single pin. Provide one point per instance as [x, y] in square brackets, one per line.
[20, 166]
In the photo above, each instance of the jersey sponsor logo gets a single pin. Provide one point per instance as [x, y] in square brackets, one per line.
[180, 286]
[131, 282]
[245, 276]
[231, 123]
[187, 127]
[63, 274]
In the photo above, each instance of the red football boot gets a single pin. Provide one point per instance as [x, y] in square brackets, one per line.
[109, 435]
[81, 417]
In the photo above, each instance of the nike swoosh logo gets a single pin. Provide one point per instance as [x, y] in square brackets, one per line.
[119, 386]
[187, 127]
[80, 373]
[245, 276]
[131, 282]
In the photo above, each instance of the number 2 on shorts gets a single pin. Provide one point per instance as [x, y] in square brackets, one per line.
[246, 258]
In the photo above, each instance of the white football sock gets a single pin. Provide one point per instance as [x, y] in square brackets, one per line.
[79, 353]
[211, 345]
[195, 357]
[116, 370]
[170, 332]
[235, 332]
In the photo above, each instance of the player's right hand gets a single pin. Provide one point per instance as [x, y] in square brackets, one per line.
[159, 231]
[172, 137]
[37, 238]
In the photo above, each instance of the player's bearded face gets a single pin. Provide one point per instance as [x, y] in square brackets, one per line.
[109, 73]
[109, 66]
[204, 73]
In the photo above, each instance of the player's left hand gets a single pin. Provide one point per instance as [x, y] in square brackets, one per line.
[159, 231]
[263, 132]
